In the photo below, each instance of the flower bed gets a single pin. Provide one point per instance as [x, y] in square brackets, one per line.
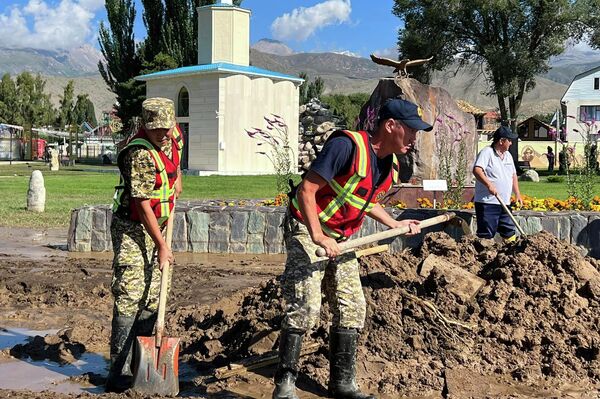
[529, 204]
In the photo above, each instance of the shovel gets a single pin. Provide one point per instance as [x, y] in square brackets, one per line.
[157, 357]
[509, 213]
[347, 246]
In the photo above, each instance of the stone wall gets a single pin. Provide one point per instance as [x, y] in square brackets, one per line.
[316, 123]
[257, 230]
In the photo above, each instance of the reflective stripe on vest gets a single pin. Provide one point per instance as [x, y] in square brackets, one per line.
[342, 192]
[163, 193]
[345, 194]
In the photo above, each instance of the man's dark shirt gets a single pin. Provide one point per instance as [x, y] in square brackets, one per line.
[337, 155]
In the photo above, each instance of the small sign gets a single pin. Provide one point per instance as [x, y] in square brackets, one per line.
[435, 185]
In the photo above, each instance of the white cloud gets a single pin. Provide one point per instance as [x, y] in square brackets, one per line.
[348, 53]
[302, 22]
[390, 52]
[41, 25]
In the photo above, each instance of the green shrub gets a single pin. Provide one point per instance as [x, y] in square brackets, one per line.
[346, 106]
[555, 179]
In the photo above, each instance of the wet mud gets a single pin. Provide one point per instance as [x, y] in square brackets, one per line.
[467, 319]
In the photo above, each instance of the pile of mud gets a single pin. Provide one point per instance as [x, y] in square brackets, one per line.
[529, 310]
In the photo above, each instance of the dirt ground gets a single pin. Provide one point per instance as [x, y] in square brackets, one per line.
[466, 319]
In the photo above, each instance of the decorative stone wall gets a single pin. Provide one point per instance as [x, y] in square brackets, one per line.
[317, 123]
[257, 230]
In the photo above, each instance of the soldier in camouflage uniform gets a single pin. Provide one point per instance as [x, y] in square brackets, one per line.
[351, 174]
[136, 229]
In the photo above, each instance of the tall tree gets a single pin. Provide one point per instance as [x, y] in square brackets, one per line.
[153, 17]
[24, 102]
[84, 111]
[122, 61]
[65, 108]
[304, 88]
[590, 9]
[33, 104]
[172, 27]
[180, 34]
[512, 40]
[8, 100]
[316, 87]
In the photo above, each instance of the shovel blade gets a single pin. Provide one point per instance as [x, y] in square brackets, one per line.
[157, 369]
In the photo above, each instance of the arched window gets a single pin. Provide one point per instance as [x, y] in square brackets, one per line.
[183, 103]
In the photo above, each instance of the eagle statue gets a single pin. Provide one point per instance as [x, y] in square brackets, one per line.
[400, 67]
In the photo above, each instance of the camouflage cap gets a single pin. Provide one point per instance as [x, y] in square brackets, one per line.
[158, 113]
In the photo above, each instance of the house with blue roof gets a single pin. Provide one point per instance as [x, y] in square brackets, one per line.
[223, 96]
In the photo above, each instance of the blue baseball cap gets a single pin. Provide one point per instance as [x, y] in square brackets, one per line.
[505, 132]
[404, 111]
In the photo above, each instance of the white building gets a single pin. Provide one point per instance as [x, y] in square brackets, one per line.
[581, 101]
[223, 96]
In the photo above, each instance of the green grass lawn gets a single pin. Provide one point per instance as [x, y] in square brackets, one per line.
[544, 189]
[73, 187]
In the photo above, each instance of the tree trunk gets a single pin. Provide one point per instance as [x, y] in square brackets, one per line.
[514, 105]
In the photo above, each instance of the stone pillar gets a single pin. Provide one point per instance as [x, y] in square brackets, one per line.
[54, 162]
[36, 195]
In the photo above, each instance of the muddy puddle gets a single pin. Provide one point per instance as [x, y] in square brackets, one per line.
[45, 375]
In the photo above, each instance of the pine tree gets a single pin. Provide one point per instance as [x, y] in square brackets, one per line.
[304, 88]
[8, 100]
[84, 111]
[123, 63]
[172, 28]
[66, 115]
[33, 104]
[153, 17]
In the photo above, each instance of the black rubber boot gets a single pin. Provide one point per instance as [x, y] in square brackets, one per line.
[342, 364]
[290, 345]
[121, 343]
[144, 325]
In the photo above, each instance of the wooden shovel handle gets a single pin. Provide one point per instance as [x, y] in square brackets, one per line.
[509, 213]
[164, 283]
[349, 245]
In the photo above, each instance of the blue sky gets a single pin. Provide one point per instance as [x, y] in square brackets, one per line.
[358, 26]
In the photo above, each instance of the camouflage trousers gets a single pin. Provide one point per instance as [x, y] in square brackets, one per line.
[305, 279]
[136, 276]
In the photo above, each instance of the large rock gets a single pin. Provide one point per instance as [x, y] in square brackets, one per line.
[36, 194]
[439, 109]
[54, 162]
[451, 277]
[530, 175]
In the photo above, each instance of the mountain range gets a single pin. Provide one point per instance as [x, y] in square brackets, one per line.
[342, 73]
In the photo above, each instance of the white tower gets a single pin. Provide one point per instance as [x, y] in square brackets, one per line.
[223, 34]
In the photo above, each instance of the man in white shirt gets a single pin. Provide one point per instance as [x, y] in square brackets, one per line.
[495, 172]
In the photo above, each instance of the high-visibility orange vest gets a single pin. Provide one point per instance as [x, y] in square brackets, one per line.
[343, 202]
[161, 199]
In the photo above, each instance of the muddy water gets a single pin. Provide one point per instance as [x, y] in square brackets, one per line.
[45, 375]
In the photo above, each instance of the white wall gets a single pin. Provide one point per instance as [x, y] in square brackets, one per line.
[581, 92]
[243, 104]
[220, 111]
[204, 94]
[223, 35]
